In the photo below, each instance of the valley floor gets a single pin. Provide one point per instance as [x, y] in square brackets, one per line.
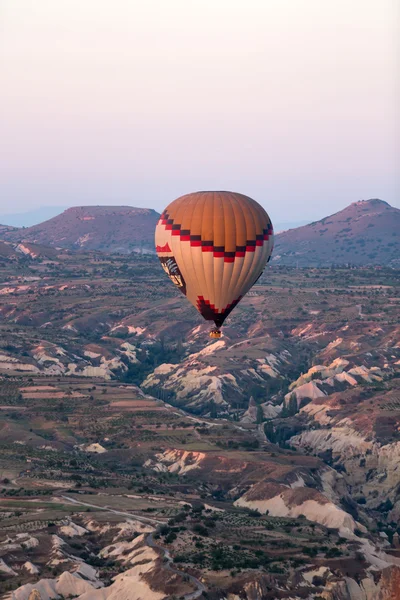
[140, 460]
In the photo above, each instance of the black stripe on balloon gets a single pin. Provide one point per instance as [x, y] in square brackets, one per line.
[209, 243]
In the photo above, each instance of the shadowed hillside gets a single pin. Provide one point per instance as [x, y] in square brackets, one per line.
[112, 228]
[366, 232]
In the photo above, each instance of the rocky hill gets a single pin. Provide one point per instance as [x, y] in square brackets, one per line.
[364, 233]
[121, 229]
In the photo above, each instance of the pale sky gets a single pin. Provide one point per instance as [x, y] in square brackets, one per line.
[293, 102]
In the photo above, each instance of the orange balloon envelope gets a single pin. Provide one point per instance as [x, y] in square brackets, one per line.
[214, 246]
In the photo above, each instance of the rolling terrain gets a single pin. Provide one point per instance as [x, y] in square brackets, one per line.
[100, 479]
[135, 451]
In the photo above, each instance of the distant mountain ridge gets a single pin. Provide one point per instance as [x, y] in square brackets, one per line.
[121, 229]
[365, 232]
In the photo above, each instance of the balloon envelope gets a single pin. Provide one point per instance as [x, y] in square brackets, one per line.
[214, 246]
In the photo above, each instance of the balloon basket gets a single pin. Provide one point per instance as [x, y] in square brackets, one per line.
[215, 334]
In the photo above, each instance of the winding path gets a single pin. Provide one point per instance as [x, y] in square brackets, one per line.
[168, 565]
[116, 512]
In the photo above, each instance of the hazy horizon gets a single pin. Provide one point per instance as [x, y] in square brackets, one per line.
[292, 103]
[42, 214]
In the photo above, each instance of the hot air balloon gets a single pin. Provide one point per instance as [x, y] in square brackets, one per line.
[214, 246]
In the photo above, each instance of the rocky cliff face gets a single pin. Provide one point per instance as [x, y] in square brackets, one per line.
[384, 586]
[358, 432]
[222, 374]
[144, 578]
[283, 501]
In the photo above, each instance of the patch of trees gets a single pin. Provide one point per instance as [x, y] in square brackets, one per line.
[219, 557]
[150, 358]
[235, 444]
[279, 432]
[291, 408]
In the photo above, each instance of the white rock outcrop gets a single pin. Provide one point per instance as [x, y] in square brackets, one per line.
[177, 461]
[282, 501]
[72, 529]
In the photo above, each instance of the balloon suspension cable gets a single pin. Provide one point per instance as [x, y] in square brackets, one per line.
[215, 333]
